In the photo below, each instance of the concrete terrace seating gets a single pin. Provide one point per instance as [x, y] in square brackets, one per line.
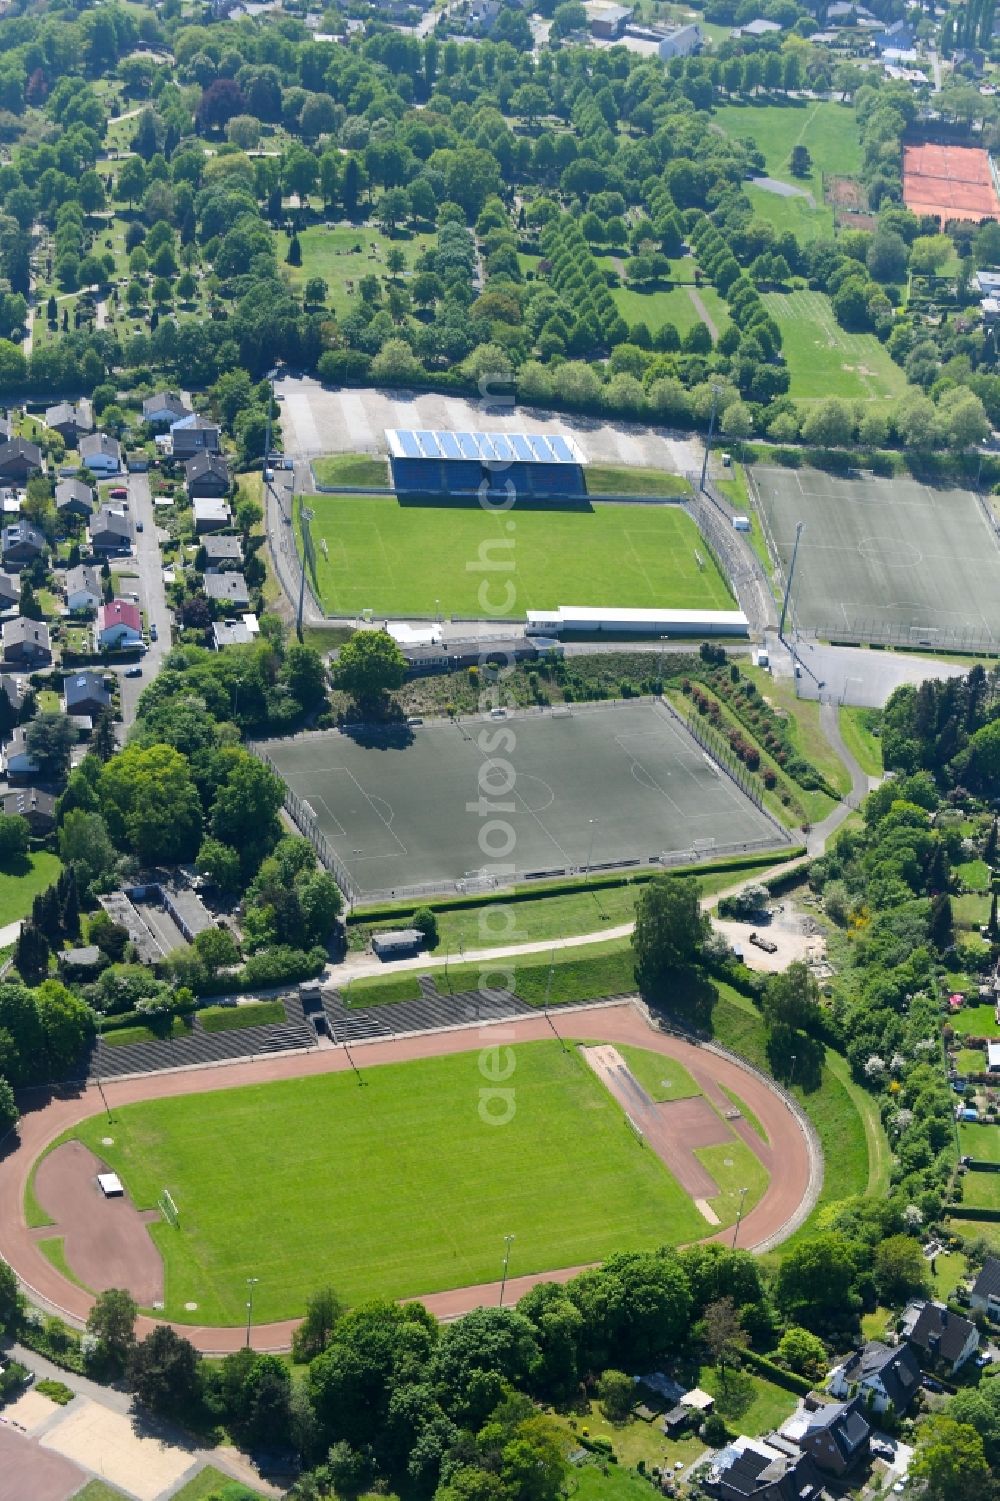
[198, 1046]
[426, 1014]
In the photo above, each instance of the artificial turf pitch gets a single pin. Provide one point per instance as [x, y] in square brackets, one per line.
[376, 553]
[396, 1188]
[596, 786]
[881, 555]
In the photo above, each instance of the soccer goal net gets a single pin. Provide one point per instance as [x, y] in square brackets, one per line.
[169, 1209]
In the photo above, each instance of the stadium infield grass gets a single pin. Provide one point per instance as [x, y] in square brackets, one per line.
[374, 553]
[399, 1187]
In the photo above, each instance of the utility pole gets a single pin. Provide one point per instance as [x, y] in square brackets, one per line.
[708, 440]
[739, 1215]
[251, 1284]
[305, 516]
[270, 378]
[506, 1262]
[791, 574]
[97, 1081]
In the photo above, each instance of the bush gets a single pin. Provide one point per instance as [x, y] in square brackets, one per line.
[425, 922]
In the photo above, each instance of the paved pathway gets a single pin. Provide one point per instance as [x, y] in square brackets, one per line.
[702, 312]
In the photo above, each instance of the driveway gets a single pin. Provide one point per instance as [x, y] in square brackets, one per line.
[147, 565]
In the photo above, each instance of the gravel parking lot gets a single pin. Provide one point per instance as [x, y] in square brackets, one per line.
[317, 421]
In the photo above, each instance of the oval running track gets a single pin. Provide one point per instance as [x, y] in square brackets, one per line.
[793, 1184]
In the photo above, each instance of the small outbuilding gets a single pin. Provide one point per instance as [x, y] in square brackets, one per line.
[110, 1185]
[394, 943]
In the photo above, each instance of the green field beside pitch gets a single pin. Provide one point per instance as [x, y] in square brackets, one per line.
[374, 553]
[828, 131]
[823, 359]
[399, 1187]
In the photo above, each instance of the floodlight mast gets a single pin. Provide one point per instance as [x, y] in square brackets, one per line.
[799, 527]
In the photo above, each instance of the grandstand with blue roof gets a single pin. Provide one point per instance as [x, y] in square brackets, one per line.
[444, 465]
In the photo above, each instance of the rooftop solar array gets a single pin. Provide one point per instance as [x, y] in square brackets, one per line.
[486, 448]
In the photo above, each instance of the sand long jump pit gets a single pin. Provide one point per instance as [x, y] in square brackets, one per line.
[881, 555]
[591, 785]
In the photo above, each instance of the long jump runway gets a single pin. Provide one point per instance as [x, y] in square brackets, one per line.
[790, 1194]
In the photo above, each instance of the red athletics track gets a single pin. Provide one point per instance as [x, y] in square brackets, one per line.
[790, 1160]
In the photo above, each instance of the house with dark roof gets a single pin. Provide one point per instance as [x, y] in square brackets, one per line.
[19, 459]
[984, 1296]
[753, 1470]
[10, 591]
[37, 808]
[74, 498]
[12, 689]
[70, 420]
[226, 589]
[163, 408]
[83, 588]
[101, 453]
[22, 544]
[26, 642]
[17, 758]
[222, 552]
[942, 1338]
[884, 1375]
[207, 474]
[194, 434]
[110, 531]
[836, 1436]
[85, 693]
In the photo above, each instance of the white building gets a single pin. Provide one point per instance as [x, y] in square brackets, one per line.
[682, 42]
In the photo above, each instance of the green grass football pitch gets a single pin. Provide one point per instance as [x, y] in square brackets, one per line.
[397, 1188]
[879, 555]
[374, 553]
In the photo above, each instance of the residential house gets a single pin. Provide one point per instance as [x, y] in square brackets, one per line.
[681, 42]
[607, 22]
[26, 642]
[17, 760]
[231, 633]
[85, 693]
[74, 498]
[207, 474]
[228, 588]
[984, 1296]
[101, 454]
[119, 626]
[70, 421]
[759, 27]
[885, 1375]
[194, 434]
[80, 963]
[19, 460]
[835, 1436]
[753, 1470]
[940, 1336]
[210, 515]
[6, 427]
[163, 408]
[37, 808]
[219, 552]
[83, 588]
[483, 15]
[110, 531]
[10, 592]
[12, 689]
[898, 36]
[22, 543]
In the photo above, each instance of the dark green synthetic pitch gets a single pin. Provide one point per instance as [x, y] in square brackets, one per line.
[595, 785]
[884, 554]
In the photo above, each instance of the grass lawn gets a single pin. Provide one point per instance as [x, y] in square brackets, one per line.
[802, 715]
[595, 1481]
[857, 726]
[674, 306]
[21, 881]
[874, 1325]
[633, 1441]
[359, 470]
[342, 256]
[981, 1190]
[604, 479]
[976, 1021]
[233, 1018]
[806, 219]
[745, 1111]
[98, 1490]
[734, 1167]
[206, 1483]
[975, 874]
[749, 1403]
[53, 1248]
[123, 1037]
[987, 1230]
[981, 1142]
[366, 549]
[578, 974]
[828, 131]
[823, 359]
[950, 1272]
[398, 1188]
[661, 1078]
[971, 1061]
[382, 990]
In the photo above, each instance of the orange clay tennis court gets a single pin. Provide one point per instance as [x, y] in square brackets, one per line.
[951, 182]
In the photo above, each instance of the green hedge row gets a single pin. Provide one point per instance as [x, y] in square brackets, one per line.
[776, 1373]
[568, 887]
[970, 1212]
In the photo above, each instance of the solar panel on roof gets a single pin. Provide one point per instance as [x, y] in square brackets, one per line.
[449, 447]
[428, 443]
[408, 443]
[501, 447]
[560, 448]
[467, 443]
[521, 447]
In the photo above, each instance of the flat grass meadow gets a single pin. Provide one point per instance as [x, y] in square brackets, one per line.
[823, 359]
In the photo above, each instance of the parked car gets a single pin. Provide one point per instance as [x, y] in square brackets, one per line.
[119, 493]
[138, 526]
[152, 632]
[133, 672]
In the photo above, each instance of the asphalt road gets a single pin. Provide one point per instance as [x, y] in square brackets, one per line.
[147, 565]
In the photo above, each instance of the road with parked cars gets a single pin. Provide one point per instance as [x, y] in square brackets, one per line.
[148, 568]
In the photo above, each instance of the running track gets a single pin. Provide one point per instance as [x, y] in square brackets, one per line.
[792, 1185]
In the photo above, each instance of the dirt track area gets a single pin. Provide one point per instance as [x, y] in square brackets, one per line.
[105, 1241]
[791, 1191]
